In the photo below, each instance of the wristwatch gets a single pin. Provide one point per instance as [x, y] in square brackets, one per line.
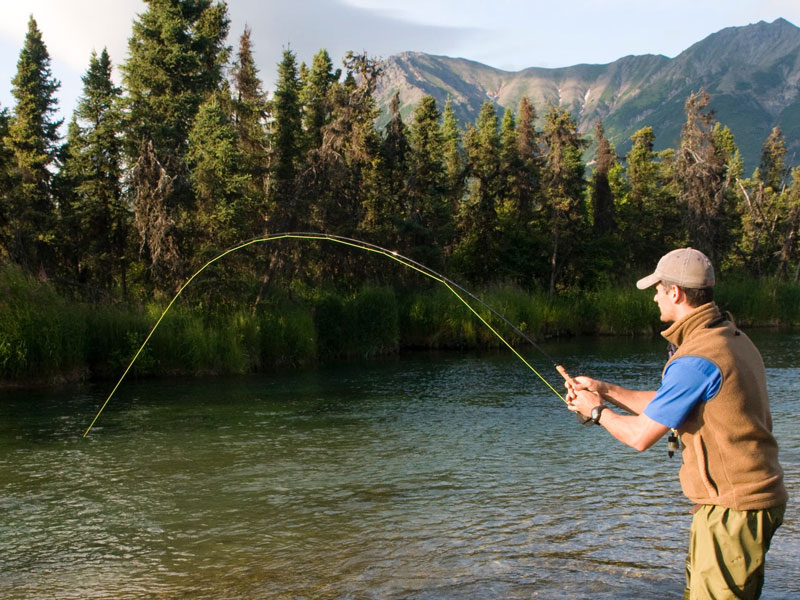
[596, 412]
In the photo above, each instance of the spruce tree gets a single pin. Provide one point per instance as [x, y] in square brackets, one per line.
[601, 252]
[483, 161]
[478, 215]
[347, 162]
[32, 139]
[219, 176]
[251, 112]
[511, 230]
[95, 220]
[521, 173]
[527, 137]
[602, 197]
[704, 179]
[649, 218]
[765, 211]
[530, 155]
[6, 179]
[342, 175]
[430, 216]
[453, 157]
[790, 229]
[772, 168]
[563, 184]
[176, 55]
[316, 83]
[510, 163]
[285, 213]
[387, 213]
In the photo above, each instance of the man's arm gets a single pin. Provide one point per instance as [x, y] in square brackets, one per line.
[637, 430]
[632, 401]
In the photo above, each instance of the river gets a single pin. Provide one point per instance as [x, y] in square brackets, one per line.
[430, 476]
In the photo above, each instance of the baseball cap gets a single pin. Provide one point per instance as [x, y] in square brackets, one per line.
[686, 267]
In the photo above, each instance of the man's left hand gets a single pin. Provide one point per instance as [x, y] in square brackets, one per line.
[583, 401]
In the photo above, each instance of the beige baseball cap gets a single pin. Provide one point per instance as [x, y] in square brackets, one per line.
[686, 267]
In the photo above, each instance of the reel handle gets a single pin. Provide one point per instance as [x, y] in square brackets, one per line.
[581, 419]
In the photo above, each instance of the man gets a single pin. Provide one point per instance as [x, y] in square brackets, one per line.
[713, 394]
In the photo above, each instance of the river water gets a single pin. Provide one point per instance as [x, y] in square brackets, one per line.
[421, 477]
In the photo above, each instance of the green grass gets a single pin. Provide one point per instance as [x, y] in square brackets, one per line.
[41, 333]
[760, 303]
[45, 337]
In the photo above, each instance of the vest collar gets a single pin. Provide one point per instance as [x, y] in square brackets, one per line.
[699, 317]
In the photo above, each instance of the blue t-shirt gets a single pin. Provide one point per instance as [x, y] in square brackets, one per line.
[687, 381]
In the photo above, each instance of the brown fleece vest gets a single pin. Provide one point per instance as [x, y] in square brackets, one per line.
[730, 456]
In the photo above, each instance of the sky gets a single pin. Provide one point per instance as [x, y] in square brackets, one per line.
[506, 34]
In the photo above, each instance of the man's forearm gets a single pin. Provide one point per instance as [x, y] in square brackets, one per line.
[632, 401]
[639, 432]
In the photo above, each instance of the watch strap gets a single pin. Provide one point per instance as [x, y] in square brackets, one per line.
[596, 412]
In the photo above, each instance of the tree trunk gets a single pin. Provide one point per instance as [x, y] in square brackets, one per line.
[553, 268]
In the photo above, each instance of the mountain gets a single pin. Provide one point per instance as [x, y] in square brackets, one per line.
[752, 74]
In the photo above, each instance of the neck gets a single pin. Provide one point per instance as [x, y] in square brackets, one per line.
[683, 309]
[692, 319]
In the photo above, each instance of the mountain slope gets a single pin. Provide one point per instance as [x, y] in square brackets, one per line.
[751, 72]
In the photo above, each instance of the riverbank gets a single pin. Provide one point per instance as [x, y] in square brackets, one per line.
[47, 338]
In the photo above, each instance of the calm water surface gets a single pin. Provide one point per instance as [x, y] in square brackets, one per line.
[425, 477]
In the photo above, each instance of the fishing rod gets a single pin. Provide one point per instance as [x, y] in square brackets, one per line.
[454, 288]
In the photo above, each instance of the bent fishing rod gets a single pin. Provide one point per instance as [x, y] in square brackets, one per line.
[457, 290]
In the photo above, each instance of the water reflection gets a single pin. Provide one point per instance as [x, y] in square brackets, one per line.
[423, 477]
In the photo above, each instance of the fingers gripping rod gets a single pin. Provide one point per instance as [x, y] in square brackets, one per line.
[563, 372]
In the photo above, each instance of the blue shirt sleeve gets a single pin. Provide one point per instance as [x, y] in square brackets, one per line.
[687, 381]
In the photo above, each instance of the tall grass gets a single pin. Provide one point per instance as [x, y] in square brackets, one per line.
[41, 333]
[45, 336]
[439, 320]
[287, 336]
[364, 324]
[625, 311]
[760, 303]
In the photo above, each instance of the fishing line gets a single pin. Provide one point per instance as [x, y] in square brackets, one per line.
[353, 243]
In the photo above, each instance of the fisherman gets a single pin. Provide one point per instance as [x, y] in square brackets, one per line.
[713, 395]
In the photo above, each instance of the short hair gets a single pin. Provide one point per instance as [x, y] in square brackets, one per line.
[694, 296]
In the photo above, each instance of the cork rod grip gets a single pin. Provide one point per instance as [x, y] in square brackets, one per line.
[563, 372]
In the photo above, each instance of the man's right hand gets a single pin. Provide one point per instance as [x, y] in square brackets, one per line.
[581, 382]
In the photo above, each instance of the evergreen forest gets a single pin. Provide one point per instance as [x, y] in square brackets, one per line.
[190, 155]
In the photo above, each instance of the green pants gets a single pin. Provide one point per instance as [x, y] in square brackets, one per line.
[726, 552]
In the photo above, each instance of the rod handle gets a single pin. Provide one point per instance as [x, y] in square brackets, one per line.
[581, 419]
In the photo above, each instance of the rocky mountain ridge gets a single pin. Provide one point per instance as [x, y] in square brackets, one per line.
[752, 74]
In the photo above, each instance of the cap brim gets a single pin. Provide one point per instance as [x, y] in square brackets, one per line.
[648, 281]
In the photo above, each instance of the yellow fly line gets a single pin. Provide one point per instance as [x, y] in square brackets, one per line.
[407, 262]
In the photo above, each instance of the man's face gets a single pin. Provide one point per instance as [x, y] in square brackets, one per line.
[664, 299]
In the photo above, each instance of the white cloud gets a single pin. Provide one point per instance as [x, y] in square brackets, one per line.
[71, 30]
[508, 34]
[310, 25]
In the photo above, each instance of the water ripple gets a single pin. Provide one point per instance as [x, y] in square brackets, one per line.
[414, 479]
